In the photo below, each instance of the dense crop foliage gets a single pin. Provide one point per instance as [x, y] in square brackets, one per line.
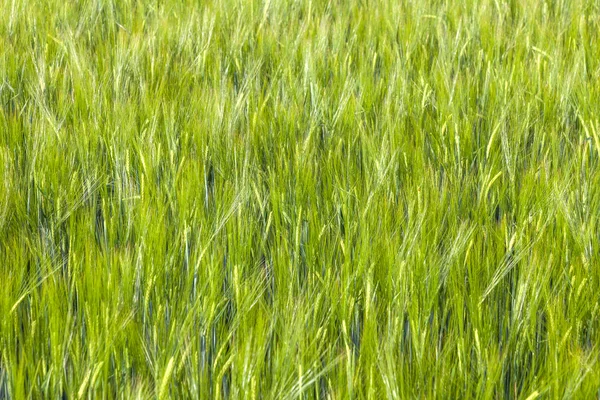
[299, 199]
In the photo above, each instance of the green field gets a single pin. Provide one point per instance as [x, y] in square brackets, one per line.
[303, 199]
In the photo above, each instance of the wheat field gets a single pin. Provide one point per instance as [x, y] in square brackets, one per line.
[303, 199]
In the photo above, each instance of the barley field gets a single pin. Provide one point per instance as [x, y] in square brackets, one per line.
[303, 199]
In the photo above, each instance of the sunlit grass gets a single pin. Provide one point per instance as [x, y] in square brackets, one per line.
[299, 199]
